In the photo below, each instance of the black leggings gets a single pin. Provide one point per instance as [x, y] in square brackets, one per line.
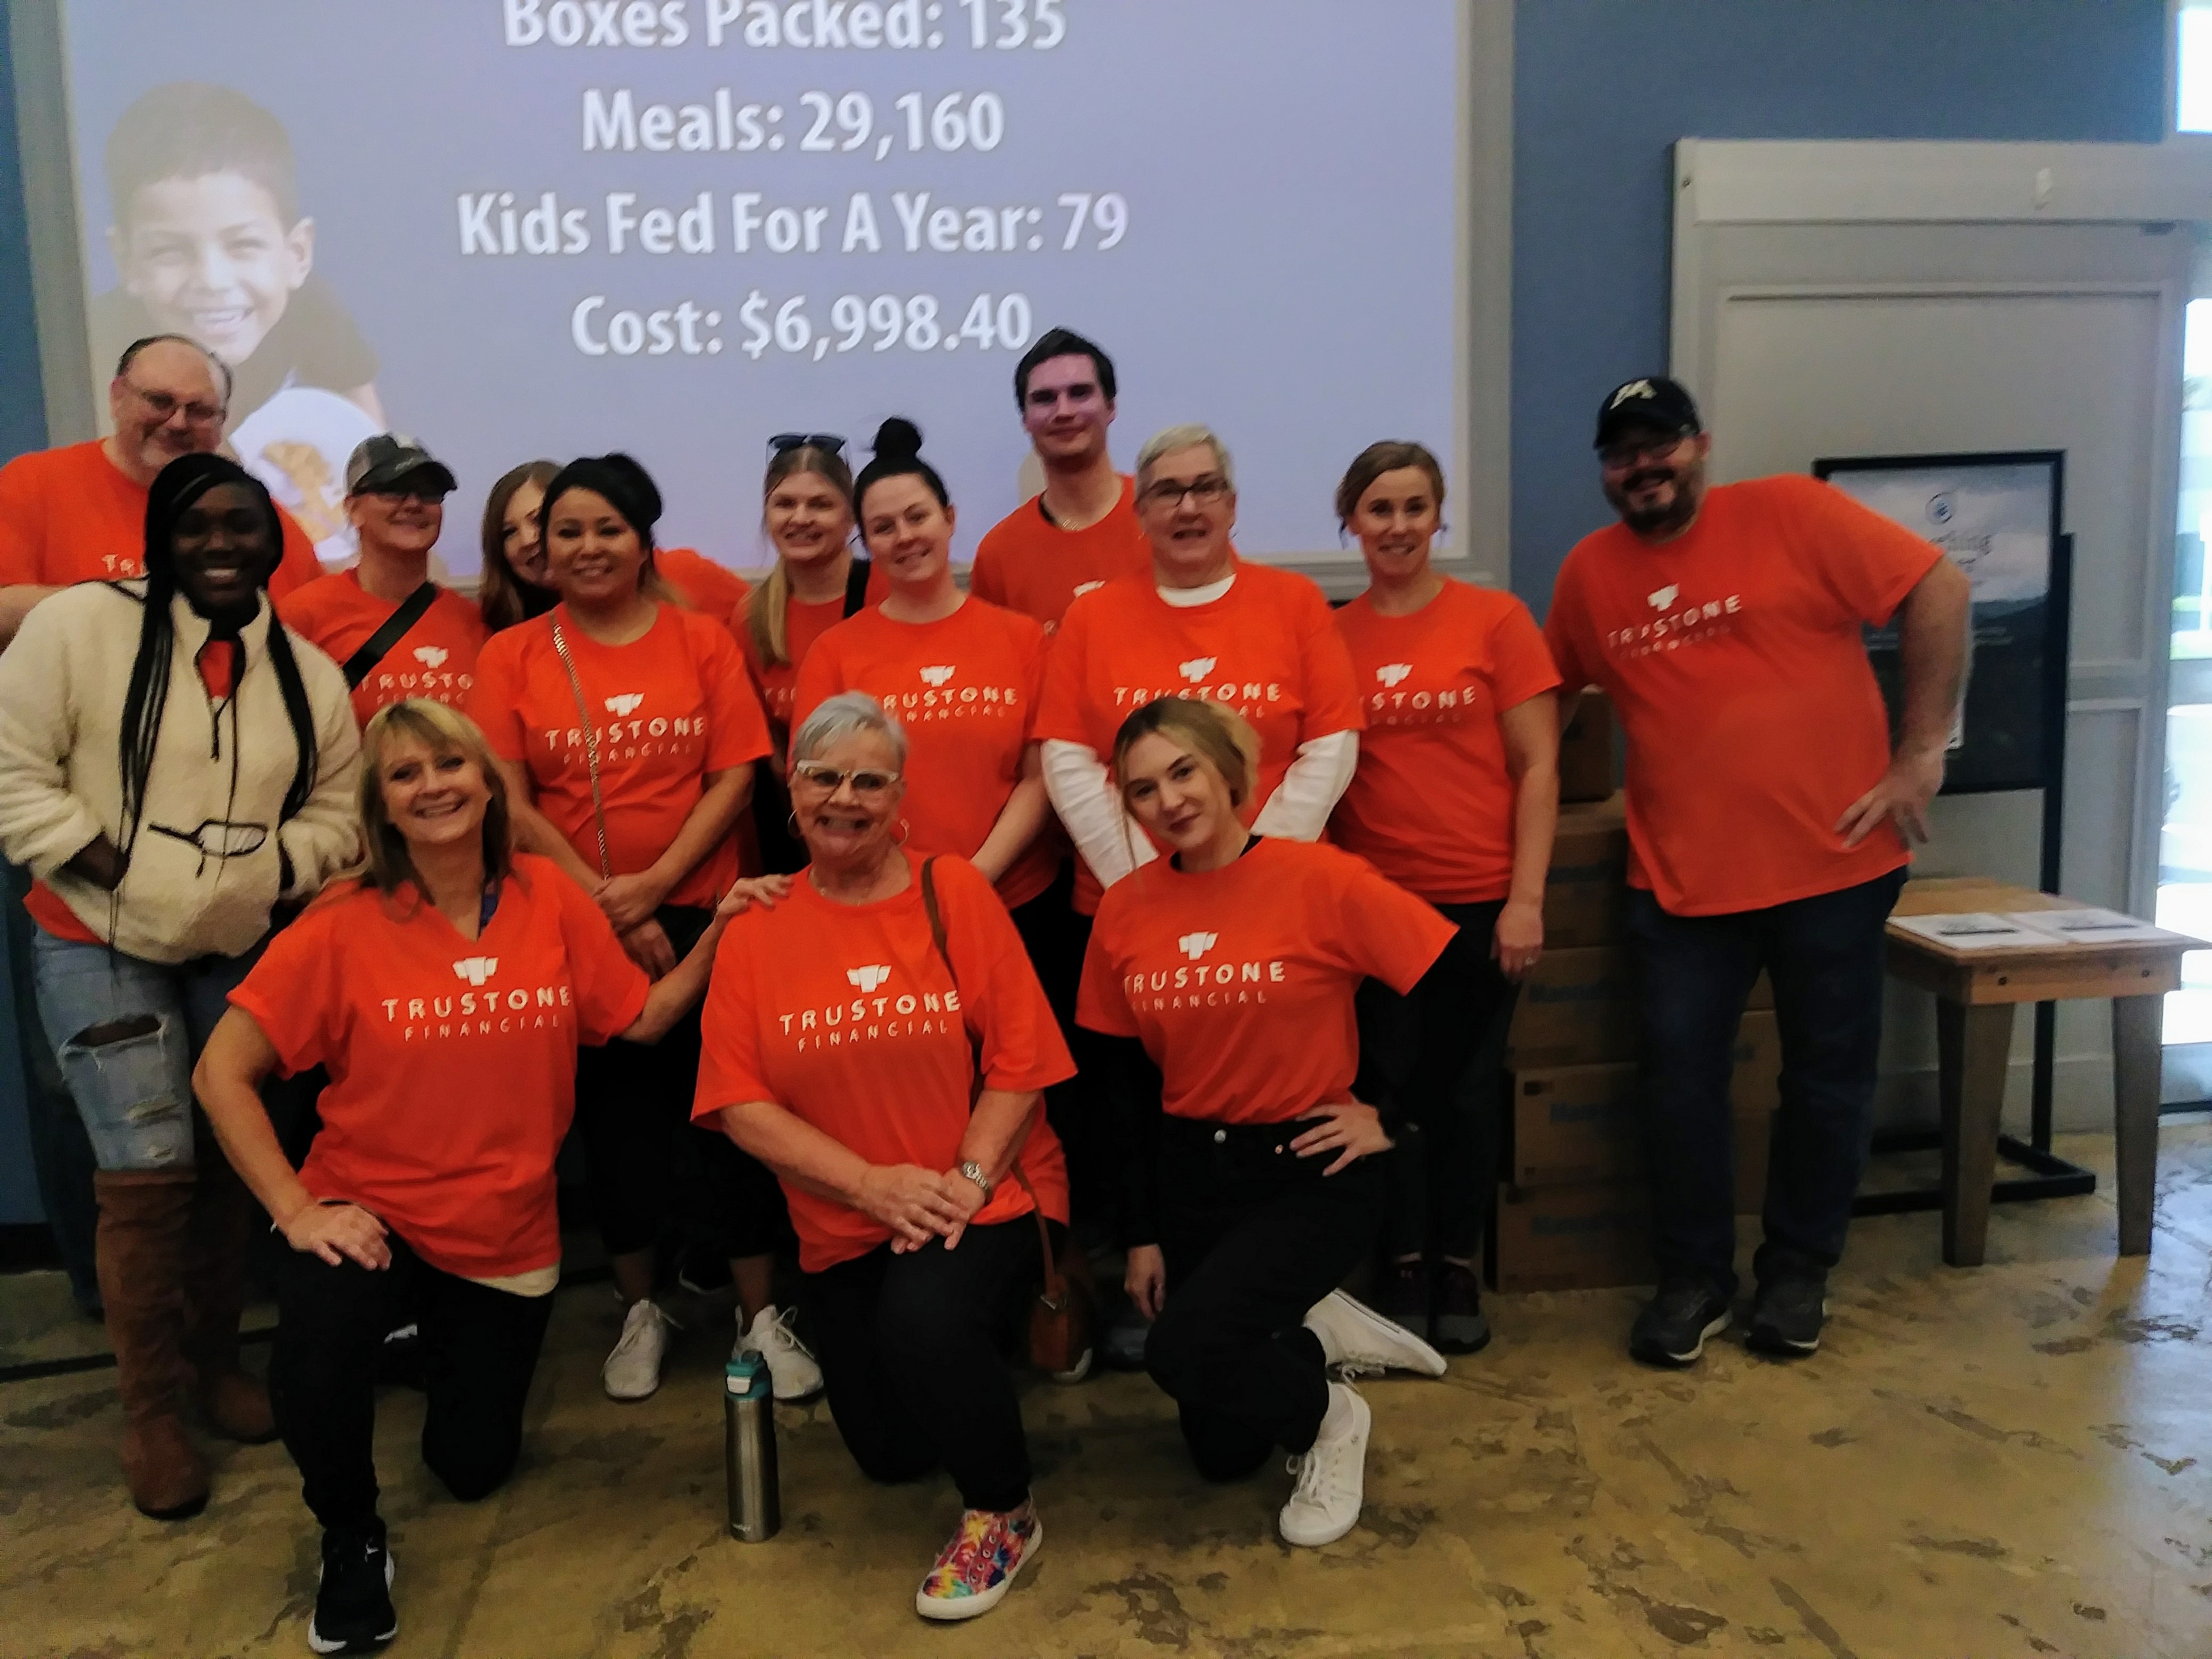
[479, 1349]
[1056, 937]
[1254, 1236]
[646, 1158]
[1437, 1055]
[913, 1361]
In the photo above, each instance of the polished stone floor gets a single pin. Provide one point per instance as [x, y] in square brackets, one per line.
[2008, 1461]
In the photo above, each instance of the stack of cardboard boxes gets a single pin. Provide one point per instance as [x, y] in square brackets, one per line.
[1574, 1209]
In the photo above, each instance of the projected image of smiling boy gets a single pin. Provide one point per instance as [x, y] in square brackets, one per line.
[209, 241]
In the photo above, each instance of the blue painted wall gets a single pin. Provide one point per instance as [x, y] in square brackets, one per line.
[22, 400]
[1602, 88]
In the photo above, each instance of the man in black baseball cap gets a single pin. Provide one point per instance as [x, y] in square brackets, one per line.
[1768, 815]
[1653, 449]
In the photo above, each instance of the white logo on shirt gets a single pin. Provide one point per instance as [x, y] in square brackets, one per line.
[625, 704]
[868, 979]
[1195, 945]
[1196, 669]
[1633, 389]
[1081, 588]
[1665, 596]
[937, 674]
[476, 969]
[1393, 673]
[431, 656]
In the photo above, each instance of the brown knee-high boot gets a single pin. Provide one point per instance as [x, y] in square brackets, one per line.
[234, 1403]
[145, 1228]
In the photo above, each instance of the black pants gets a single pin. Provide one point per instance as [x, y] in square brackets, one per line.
[1056, 937]
[1436, 1056]
[647, 1159]
[1825, 955]
[912, 1354]
[479, 1348]
[1254, 1236]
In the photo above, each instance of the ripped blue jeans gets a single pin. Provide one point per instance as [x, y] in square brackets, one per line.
[134, 1092]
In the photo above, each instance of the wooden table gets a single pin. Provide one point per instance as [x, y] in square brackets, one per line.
[1975, 992]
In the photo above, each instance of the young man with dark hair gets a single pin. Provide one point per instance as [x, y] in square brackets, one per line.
[210, 242]
[1082, 530]
[1768, 826]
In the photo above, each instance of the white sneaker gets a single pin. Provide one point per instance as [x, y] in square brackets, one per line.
[633, 1370]
[792, 1370]
[1354, 1338]
[1332, 1478]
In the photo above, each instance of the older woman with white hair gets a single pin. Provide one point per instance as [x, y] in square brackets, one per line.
[879, 1039]
[1203, 624]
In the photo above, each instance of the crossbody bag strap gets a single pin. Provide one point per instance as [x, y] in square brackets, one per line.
[591, 746]
[378, 646]
[1055, 1288]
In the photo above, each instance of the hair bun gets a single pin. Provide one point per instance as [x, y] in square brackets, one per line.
[897, 440]
[644, 494]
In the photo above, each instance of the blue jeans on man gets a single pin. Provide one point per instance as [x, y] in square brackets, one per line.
[1825, 955]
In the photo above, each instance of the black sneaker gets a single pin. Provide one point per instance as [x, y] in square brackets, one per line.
[1673, 1328]
[1403, 1295]
[353, 1604]
[1460, 1325]
[1786, 1316]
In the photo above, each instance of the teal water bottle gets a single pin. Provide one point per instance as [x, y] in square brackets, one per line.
[749, 1449]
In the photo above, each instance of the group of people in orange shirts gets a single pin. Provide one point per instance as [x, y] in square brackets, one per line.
[1130, 887]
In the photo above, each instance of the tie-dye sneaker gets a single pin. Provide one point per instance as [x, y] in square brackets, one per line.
[976, 1567]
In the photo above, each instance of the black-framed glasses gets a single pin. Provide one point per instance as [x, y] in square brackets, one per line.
[1169, 492]
[788, 441]
[865, 780]
[1629, 451]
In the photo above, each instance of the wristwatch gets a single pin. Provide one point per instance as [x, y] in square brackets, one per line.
[974, 1171]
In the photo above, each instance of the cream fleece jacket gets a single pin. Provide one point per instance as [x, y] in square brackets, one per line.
[205, 870]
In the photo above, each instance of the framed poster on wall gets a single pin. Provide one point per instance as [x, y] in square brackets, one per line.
[1996, 516]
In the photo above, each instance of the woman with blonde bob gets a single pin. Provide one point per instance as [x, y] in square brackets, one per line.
[1256, 1183]
[446, 989]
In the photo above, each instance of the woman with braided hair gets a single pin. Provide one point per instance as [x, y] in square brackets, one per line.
[173, 764]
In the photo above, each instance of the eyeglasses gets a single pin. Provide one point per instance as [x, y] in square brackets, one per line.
[1628, 452]
[1170, 493]
[167, 407]
[786, 441]
[406, 492]
[828, 780]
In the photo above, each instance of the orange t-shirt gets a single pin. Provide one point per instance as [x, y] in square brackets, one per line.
[67, 515]
[435, 658]
[1240, 979]
[1028, 563]
[1735, 659]
[217, 664]
[707, 587]
[1267, 648]
[845, 1016]
[803, 624]
[452, 1061]
[1432, 803]
[670, 707]
[965, 688]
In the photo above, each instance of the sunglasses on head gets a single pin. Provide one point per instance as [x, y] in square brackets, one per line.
[786, 441]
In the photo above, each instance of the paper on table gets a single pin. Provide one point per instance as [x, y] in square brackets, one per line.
[2089, 926]
[1973, 931]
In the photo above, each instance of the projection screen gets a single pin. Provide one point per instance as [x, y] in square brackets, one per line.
[526, 228]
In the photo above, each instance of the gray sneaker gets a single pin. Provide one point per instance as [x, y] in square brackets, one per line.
[1461, 1326]
[1672, 1329]
[1787, 1315]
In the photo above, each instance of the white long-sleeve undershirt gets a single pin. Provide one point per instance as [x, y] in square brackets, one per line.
[1299, 808]
[1082, 792]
